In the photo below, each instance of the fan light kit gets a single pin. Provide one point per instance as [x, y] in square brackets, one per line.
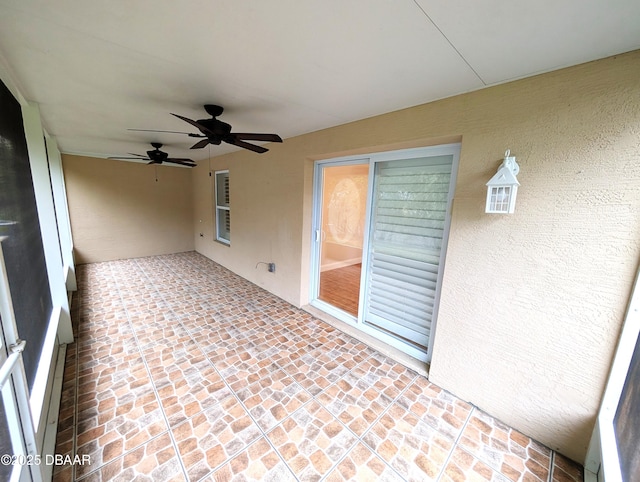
[502, 188]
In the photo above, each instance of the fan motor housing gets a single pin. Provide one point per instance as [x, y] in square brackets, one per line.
[216, 126]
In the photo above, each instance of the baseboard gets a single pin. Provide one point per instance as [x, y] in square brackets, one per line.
[329, 265]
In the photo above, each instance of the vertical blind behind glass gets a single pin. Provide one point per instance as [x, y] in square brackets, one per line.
[410, 204]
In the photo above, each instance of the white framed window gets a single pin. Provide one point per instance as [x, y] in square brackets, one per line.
[223, 213]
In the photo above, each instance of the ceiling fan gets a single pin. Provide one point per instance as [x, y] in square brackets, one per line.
[157, 156]
[214, 131]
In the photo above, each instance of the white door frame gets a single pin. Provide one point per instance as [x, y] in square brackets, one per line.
[373, 159]
[15, 392]
[316, 236]
[602, 461]
[50, 193]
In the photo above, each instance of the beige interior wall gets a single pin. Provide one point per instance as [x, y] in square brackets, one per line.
[118, 209]
[532, 303]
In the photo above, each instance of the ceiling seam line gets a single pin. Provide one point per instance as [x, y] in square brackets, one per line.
[449, 42]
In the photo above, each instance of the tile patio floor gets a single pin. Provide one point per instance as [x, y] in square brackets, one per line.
[182, 370]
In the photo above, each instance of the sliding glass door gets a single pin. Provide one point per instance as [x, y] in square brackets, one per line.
[341, 209]
[401, 220]
[408, 218]
[21, 459]
[613, 453]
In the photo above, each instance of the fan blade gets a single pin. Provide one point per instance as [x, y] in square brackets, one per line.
[141, 158]
[200, 144]
[198, 126]
[154, 162]
[182, 162]
[190, 134]
[180, 159]
[137, 156]
[246, 145]
[154, 130]
[257, 137]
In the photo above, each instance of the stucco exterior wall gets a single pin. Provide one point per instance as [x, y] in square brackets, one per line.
[532, 303]
[118, 209]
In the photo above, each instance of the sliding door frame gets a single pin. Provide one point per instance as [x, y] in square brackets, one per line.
[26, 459]
[316, 235]
[42, 402]
[602, 461]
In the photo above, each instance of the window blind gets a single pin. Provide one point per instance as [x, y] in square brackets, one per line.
[407, 227]
[223, 214]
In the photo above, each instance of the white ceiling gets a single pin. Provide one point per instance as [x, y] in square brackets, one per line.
[98, 68]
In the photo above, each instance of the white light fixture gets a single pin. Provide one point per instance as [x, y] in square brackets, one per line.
[503, 187]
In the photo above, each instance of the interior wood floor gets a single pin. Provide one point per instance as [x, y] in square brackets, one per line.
[340, 287]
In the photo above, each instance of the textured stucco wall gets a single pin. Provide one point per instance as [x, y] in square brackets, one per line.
[532, 303]
[118, 209]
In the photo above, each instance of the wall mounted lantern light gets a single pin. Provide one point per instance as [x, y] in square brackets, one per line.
[503, 187]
